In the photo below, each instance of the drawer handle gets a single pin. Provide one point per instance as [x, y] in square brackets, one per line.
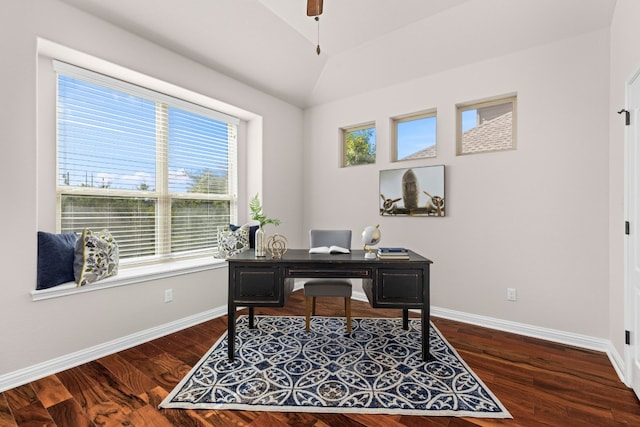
[329, 272]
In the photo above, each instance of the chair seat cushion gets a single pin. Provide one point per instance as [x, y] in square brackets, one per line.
[327, 288]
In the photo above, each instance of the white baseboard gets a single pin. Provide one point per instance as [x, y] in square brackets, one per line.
[41, 370]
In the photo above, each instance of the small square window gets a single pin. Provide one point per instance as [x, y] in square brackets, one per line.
[414, 136]
[359, 145]
[486, 126]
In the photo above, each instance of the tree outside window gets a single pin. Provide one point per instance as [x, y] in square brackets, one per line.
[359, 145]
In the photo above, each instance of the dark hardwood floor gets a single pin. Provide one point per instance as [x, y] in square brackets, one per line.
[540, 383]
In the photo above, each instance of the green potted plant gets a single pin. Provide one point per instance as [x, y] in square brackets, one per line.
[257, 215]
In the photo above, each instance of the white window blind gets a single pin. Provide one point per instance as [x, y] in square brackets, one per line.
[158, 172]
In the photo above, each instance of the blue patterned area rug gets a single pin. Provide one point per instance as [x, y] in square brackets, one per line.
[377, 369]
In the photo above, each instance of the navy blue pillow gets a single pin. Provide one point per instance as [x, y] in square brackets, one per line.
[252, 234]
[55, 259]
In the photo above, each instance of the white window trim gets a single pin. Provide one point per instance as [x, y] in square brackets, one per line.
[127, 276]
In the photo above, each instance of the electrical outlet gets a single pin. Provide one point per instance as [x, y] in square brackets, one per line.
[511, 294]
[168, 295]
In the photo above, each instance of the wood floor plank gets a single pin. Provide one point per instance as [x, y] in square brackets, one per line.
[411, 421]
[339, 420]
[93, 396]
[171, 371]
[301, 419]
[99, 409]
[266, 419]
[140, 356]
[6, 417]
[223, 418]
[134, 379]
[21, 396]
[112, 388]
[50, 391]
[148, 416]
[185, 350]
[33, 414]
[373, 421]
[540, 383]
[69, 413]
[75, 381]
[167, 363]
[626, 416]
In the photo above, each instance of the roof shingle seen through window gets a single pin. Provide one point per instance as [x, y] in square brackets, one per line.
[492, 135]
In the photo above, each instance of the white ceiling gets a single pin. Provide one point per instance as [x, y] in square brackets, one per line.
[366, 44]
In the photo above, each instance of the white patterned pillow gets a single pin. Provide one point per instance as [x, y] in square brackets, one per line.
[232, 242]
[96, 257]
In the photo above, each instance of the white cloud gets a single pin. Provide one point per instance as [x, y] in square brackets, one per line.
[134, 181]
[179, 178]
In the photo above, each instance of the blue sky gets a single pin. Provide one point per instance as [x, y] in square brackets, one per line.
[469, 119]
[108, 138]
[416, 135]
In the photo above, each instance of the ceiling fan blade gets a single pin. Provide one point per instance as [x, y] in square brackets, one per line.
[314, 7]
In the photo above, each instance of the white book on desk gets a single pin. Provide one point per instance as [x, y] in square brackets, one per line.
[329, 250]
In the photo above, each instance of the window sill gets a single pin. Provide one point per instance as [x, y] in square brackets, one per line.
[127, 276]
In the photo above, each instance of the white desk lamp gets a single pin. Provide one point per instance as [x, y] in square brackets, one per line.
[370, 236]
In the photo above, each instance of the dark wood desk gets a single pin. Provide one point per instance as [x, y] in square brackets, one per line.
[267, 282]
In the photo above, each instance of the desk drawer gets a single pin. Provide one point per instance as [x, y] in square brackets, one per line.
[258, 285]
[396, 288]
[354, 273]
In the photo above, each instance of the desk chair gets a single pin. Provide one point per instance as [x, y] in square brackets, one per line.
[328, 287]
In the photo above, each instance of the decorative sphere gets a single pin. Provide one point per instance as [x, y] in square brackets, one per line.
[371, 235]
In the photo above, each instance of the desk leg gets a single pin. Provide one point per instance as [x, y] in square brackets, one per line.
[251, 325]
[426, 356]
[231, 328]
[405, 319]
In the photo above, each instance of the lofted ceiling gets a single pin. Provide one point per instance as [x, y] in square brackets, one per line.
[365, 44]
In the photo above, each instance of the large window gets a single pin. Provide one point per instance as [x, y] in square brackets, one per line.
[158, 172]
